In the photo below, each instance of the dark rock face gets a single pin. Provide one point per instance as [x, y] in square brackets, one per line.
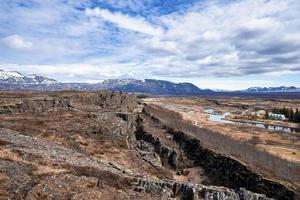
[221, 170]
[167, 155]
[230, 173]
[194, 191]
[41, 104]
[35, 105]
[114, 100]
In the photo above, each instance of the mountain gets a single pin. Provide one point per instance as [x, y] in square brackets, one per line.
[151, 86]
[12, 77]
[273, 89]
[12, 80]
[17, 81]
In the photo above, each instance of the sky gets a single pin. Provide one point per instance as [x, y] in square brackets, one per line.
[224, 44]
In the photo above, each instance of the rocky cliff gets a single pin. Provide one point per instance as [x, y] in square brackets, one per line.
[220, 169]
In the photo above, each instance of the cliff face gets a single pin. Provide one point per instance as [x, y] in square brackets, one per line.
[39, 103]
[220, 169]
[228, 172]
[35, 105]
[81, 145]
[113, 100]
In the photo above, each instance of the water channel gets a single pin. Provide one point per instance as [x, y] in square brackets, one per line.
[220, 118]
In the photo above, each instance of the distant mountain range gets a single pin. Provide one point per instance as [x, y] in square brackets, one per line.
[16, 81]
[151, 86]
[11, 80]
[273, 89]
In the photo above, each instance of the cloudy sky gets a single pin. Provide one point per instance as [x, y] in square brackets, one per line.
[226, 44]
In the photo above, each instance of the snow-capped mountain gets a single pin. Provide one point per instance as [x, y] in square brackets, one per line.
[12, 77]
[151, 86]
[37, 79]
[17, 81]
[273, 89]
[12, 80]
[118, 83]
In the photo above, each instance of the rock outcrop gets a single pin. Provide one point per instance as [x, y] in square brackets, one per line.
[74, 145]
[196, 191]
[221, 170]
[56, 101]
[116, 100]
[167, 155]
[35, 105]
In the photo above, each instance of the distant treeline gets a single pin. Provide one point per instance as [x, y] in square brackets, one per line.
[292, 115]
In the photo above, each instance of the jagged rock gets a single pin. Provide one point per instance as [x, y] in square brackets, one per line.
[35, 105]
[195, 191]
[167, 155]
[220, 169]
[245, 194]
[118, 101]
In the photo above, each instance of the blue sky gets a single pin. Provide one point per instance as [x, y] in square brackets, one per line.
[226, 44]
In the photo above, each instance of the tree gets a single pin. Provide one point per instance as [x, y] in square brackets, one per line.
[296, 117]
[267, 114]
[293, 116]
[290, 114]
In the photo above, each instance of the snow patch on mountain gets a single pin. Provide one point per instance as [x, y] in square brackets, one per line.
[12, 77]
[272, 89]
[9, 74]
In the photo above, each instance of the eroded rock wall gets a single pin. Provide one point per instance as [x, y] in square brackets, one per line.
[104, 99]
[221, 170]
[40, 104]
[48, 102]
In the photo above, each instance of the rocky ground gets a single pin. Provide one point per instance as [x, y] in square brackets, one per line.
[100, 145]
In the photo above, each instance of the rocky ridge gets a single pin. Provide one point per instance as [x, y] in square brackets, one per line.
[83, 145]
[15, 81]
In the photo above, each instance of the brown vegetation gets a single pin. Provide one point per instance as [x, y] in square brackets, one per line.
[84, 145]
[261, 161]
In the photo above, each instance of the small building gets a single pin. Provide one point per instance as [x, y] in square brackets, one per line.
[277, 116]
[261, 113]
[248, 115]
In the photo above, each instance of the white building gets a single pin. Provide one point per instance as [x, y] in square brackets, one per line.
[277, 116]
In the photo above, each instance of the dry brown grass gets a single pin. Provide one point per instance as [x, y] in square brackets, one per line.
[260, 160]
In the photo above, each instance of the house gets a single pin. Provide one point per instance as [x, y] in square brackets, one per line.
[248, 115]
[261, 113]
[277, 116]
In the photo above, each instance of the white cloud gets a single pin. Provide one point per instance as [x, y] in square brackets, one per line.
[133, 5]
[82, 28]
[125, 21]
[215, 39]
[225, 39]
[158, 46]
[17, 42]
